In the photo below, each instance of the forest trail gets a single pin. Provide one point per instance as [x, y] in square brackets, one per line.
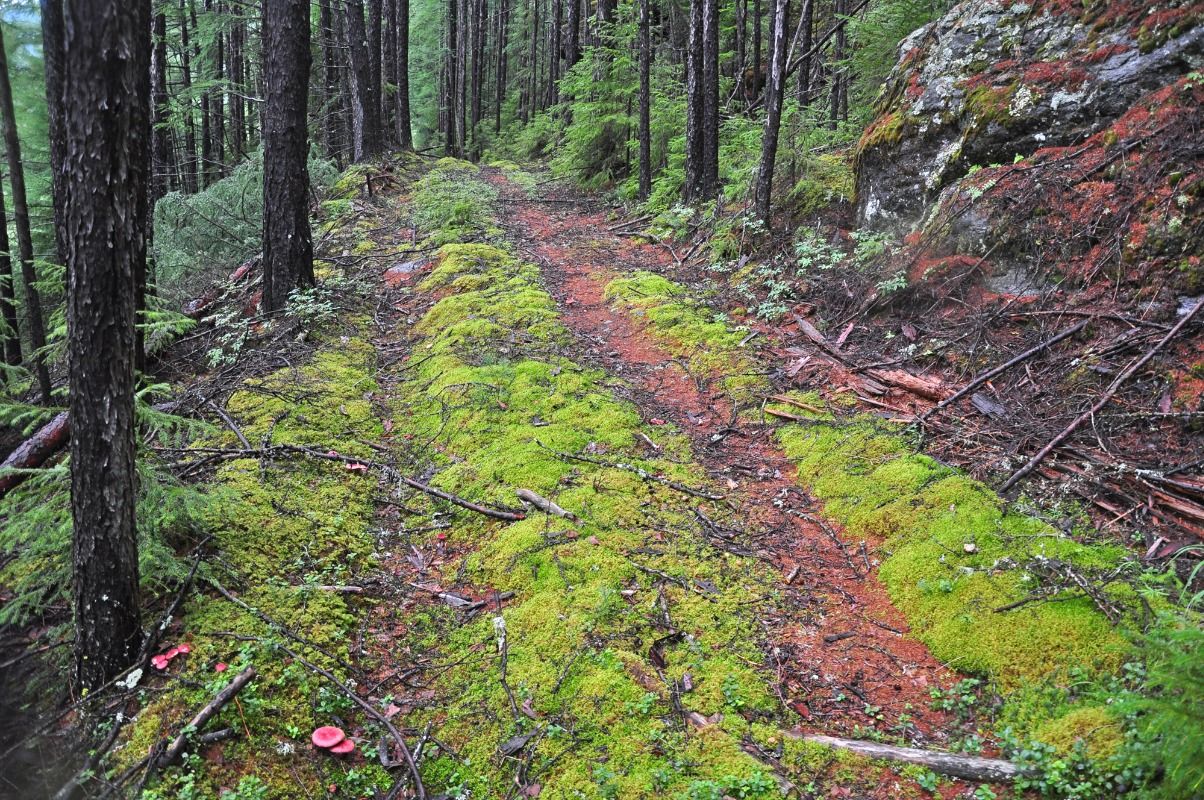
[745, 618]
[841, 655]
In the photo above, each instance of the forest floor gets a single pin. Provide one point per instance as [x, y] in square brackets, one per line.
[517, 497]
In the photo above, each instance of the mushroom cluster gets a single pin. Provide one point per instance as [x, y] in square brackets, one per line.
[161, 660]
[332, 740]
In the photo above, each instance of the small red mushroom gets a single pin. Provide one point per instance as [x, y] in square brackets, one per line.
[159, 662]
[327, 736]
[172, 653]
[185, 648]
[343, 748]
[220, 667]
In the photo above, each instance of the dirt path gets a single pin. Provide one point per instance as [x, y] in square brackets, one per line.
[842, 658]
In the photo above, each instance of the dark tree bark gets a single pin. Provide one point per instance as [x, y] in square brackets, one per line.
[189, 163]
[573, 54]
[405, 136]
[52, 60]
[162, 166]
[34, 320]
[217, 102]
[757, 40]
[775, 90]
[461, 89]
[287, 243]
[533, 63]
[206, 168]
[8, 306]
[804, 70]
[375, 63]
[237, 72]
[499, 84]
[106, 106]
[388, 68]
[332, 120]
[710, 99]
[645, 133]
[693, 189]
[837, 76]
[365, 115]
[451, 71]
[554, 51]
[479, 58]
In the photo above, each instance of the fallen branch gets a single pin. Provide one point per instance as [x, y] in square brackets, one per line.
[973, 768]
[173, 750]
[1104, 399]
[991, 373]
[545, 505]
[643, 473]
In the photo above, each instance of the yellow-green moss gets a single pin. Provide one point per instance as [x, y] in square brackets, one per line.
[280, 529]
[952, 552]
[1099, 732]
[686, 329]
[490, 389]
[827, 179]
[450, 204]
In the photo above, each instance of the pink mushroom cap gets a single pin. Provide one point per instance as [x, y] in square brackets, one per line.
[185, 648]
[343, 748]
[327, 736]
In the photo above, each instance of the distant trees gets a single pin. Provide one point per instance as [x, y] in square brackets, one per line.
[287, 244]
[105, 105]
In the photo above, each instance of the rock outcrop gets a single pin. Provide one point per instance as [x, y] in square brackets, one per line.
[995, 81]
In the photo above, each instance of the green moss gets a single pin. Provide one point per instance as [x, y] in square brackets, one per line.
[489, 388]
[281, 529]
[887, 129]
[450, 204]
[826, 179]
[947, 540]
[687, 329]
[350, 183]
[987, 104]
[1098, 731]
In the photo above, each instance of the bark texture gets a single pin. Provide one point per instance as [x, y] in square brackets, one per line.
[106, 111]
[773, 100]
[287, 242]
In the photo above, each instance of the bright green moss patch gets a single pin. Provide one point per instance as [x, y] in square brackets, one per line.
[489, 390]
[282, 529]
[450, 204]
[685, 328]
[954, 554]
[1093, 728]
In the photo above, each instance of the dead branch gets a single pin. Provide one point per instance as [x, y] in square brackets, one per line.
[173, 750]
[545, 505]
[973, 768]
[643, 473]
[1104, 399]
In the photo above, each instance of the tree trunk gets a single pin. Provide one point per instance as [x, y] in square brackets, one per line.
[8, 306]
[804, 74]
[757, 40]
[574, 34]
[836, 74]
[162, 166]
[52, 59]
[645, 134]
[693, 188]
[375, 63]
[206, 130]
[554, 51]
[405, 136]
[218, 100]
[388, 68]
[452, 72]
[365, 108]
[287, 243]
[773, 102]
[710, 99]
[106, 107]
[190, 164]
[238, 123]
[34, 320]
[331, 98]
[499, 78]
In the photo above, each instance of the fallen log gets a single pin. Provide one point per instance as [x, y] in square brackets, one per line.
[41, 447]
[173, 750]
[972, 768]
[35, 451]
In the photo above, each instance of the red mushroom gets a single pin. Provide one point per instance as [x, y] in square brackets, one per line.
[343, 748]
[327, 736]
[185, 648]
[172, 653]
[159, 662]
[220, 666]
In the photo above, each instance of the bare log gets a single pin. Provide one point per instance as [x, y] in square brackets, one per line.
[173, 750]
[972, 768]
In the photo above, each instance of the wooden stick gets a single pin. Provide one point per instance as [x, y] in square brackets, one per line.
[974, 768]
[991, 373]
[1103, 401]
[204, 715]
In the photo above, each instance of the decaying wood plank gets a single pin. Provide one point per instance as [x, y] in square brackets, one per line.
[973, 768]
